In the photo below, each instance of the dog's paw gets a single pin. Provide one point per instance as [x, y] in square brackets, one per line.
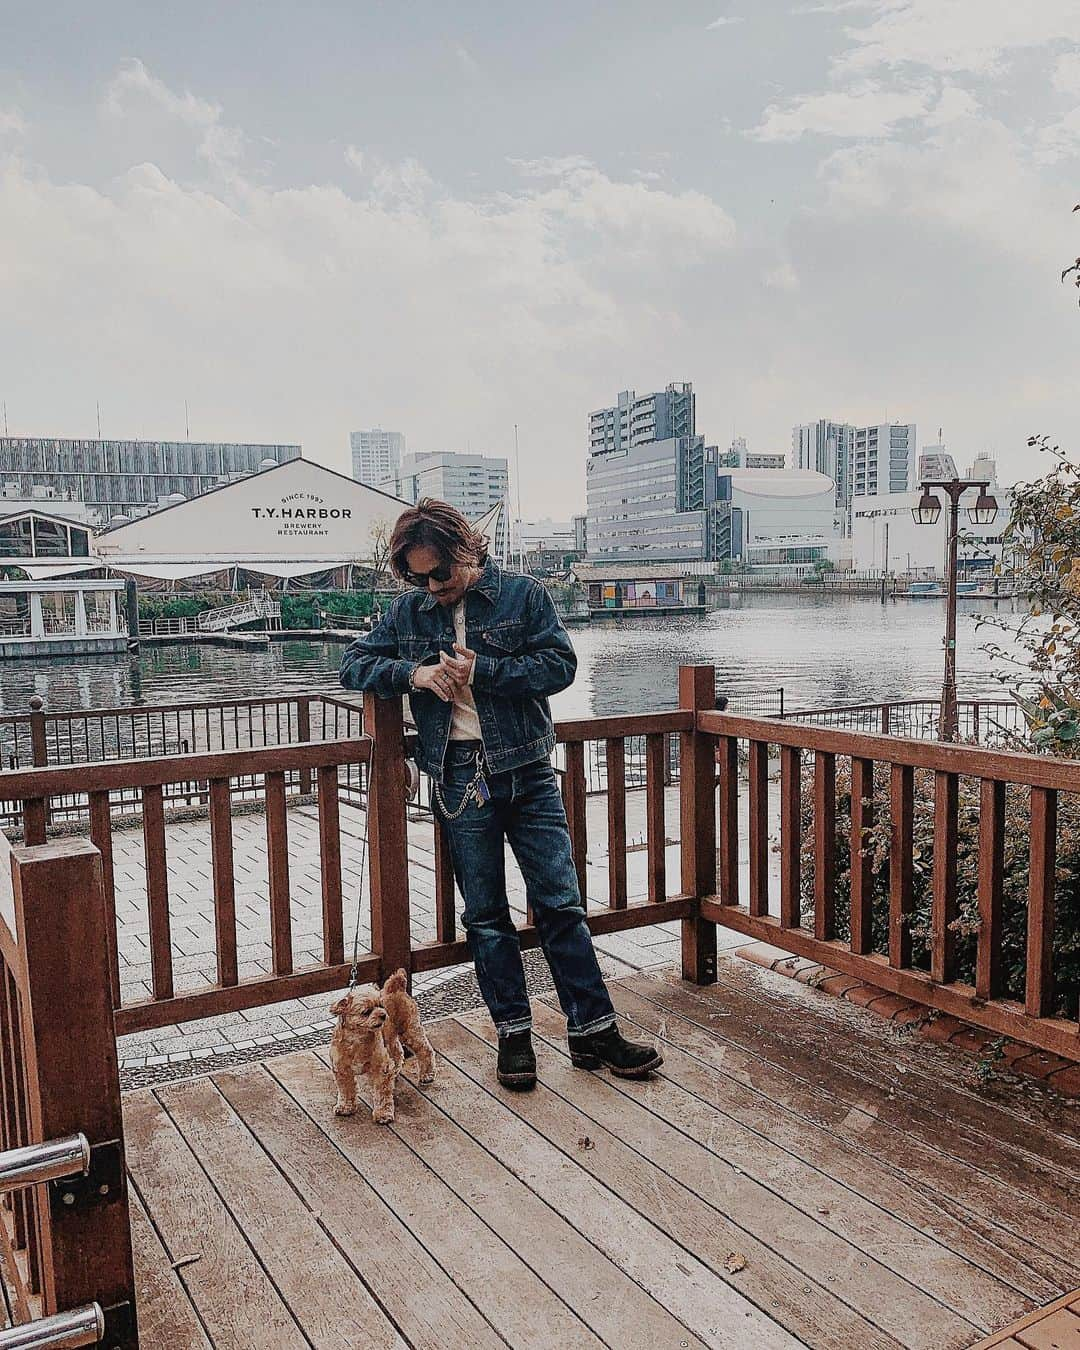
[343, 1108]
[428, 1077]
[383, 1116]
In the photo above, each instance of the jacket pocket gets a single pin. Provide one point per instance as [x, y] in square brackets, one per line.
[506, 638]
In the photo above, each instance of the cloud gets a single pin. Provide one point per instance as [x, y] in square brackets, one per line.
[297, 311]
[1066, 75]
[465, 59]
[1060, 140]
[133, 90]
[955, 36]
[867, 109]
[782, 277]
[11, 122]
[724, 21]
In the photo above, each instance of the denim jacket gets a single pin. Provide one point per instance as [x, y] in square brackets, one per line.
[523, 655]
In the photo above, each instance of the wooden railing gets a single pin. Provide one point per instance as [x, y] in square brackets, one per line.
[1026, 1013]
[64, 1244]
[54, 1082]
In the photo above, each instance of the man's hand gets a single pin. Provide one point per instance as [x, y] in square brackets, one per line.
[436, 680]
[458, 667]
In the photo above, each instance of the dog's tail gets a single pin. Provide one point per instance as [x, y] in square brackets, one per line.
[396, 984]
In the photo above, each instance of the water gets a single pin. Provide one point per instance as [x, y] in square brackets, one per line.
[822, 650]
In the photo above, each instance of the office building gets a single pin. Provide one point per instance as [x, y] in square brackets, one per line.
[648, 501]
[126, 478]
[883, 459]
[376, 457]
[581, 534]
[886, 537]
[471, 483]
[637, 420]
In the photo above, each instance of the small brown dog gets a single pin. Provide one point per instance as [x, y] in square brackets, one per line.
[373, 1025]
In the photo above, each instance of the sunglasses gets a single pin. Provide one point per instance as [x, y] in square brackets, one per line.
[440, 574]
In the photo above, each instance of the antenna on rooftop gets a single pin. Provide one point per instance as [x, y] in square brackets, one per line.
[187, 424]
[5, 418]
[97, 405]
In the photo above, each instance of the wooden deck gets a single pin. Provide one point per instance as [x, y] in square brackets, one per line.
[799, 1173]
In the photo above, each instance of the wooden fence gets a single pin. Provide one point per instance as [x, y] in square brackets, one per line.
[54, 1082]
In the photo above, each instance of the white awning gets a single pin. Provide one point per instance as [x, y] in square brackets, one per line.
[158, 571]
[294, 569]
[42, 571]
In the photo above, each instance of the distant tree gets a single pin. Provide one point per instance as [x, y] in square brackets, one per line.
[379, 536]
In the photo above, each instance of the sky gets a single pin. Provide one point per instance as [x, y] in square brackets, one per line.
[450, 218]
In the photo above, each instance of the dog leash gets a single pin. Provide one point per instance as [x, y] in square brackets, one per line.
[412, 784]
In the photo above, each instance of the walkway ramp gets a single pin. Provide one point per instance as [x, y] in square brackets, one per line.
[800, 1173]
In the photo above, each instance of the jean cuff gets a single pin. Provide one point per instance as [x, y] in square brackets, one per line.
[512, 1028]
[590, 1028]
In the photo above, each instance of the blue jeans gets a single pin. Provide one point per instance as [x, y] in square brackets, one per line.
[526, 811]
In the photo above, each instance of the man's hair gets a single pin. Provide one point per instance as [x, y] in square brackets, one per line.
[438, 525]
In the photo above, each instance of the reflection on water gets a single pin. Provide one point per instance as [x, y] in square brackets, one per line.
[822, 650]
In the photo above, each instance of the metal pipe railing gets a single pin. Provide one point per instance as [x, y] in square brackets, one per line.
[61, 1331]
[37, 1163]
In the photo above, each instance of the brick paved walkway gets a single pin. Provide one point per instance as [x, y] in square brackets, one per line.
[192, 915]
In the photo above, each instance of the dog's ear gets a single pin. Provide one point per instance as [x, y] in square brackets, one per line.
[341, 1007]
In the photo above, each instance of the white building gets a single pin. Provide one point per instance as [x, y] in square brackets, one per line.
[474, 484]
[775, 519]
[824, 447]
[740, 456]
[647, 502]
[376, 456]
[883, 459]
[543, 536]
[935, 462]
[886, 537]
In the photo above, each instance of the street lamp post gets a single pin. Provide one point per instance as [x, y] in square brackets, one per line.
[926, 513]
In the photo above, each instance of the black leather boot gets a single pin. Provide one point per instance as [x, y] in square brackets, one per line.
[609, 1049]
[517, 1062]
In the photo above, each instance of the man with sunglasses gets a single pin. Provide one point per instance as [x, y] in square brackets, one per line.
[479, 651]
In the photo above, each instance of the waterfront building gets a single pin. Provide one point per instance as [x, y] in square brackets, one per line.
[886, 538]
[767, 520]
[636, 420]
[642, 586]
[126, 478]
[297, 525]
[474, 484]
[376, 456]
[77, 617]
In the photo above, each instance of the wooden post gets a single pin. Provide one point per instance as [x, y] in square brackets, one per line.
[697, 796]
[72, 1080]
[388, 857]
[303, 733]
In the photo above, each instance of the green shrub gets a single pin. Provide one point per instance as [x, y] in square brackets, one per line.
[1066, 963]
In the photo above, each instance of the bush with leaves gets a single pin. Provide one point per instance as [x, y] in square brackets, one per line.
[878, 843]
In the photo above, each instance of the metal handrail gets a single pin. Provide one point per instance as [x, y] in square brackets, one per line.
[37, 1163]
[61, 1331]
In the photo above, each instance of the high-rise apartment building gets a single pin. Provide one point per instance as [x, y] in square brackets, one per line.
[635, 420]
[825, 447]
[472, 483]
[376, 457]
[129, 478]
[883, 459]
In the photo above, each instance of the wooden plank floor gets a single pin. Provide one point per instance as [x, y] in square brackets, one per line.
[797, 1174]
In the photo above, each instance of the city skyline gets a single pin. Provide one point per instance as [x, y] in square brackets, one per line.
[857, 207]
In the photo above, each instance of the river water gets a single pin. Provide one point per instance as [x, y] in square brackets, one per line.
[823, 650]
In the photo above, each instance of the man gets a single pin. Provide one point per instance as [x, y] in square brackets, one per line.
[479, 651]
